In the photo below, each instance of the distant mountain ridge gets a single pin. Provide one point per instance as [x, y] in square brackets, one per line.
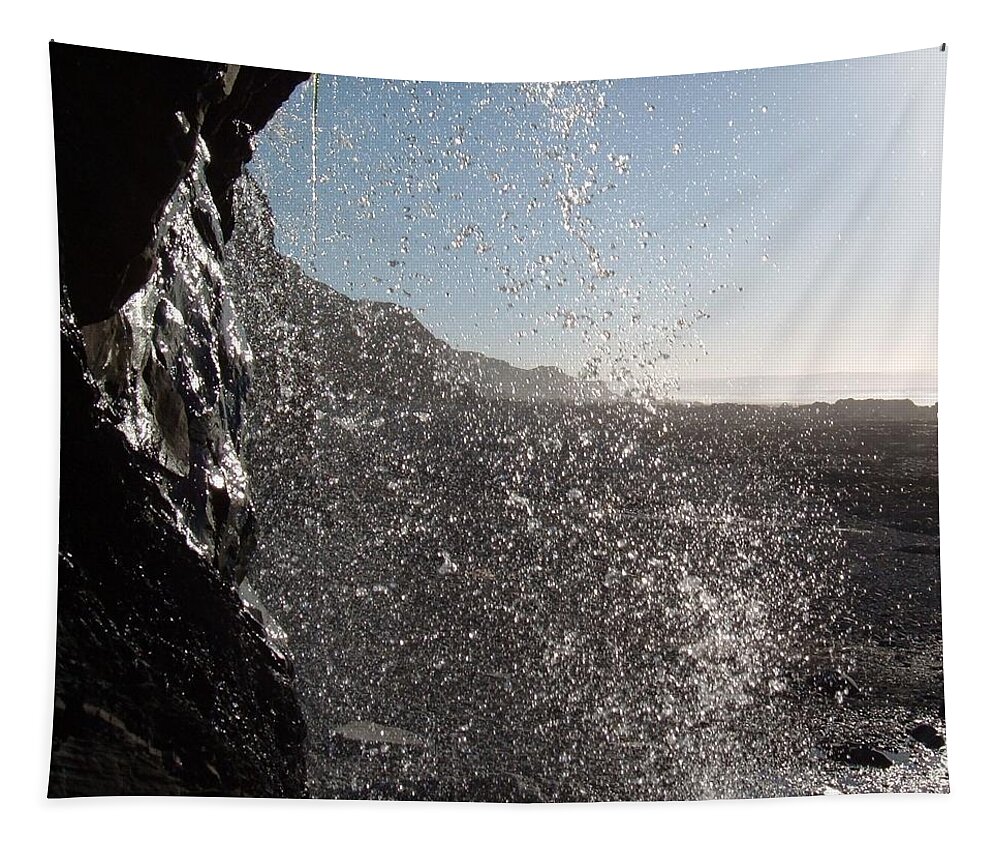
[308, 333]
[888, 410]
[905, 410]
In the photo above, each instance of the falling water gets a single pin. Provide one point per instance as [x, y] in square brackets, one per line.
[314, 179]
[493, 594]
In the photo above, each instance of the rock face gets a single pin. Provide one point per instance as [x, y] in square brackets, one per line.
[927, 735]
[168, 679]
[174, 369]
[126, 129]
[864, 755]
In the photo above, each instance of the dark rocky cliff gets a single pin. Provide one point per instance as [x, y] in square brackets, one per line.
[169, 676]
[312, 342]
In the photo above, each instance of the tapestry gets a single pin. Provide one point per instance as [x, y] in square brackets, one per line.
[534, 442]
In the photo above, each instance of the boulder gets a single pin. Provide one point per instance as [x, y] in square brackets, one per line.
[865, 755]
[927, 735]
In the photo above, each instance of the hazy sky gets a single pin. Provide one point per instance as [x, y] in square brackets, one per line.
[766, 235]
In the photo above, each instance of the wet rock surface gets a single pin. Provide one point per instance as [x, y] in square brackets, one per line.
[164, 683]
[168, 681]
[126, 130]
[927, 735]
[868, 756]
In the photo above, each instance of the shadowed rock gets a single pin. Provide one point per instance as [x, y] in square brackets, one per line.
[866, 756]
[126, 127]
[927, 735]
[167, 681]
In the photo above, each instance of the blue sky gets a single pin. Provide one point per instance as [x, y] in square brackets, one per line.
[768, 235]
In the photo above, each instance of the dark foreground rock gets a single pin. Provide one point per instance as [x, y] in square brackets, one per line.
[168, 679]
[927, 735]
[867, 756]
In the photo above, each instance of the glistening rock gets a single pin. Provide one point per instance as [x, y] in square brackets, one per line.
[167, 680]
